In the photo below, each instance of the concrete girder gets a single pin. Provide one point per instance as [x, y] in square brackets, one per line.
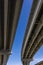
[37, 48]
[0, 42]
[36, 43]
[27, 62]
[5, 28]
[28, 51]
[15, 19]
[38, 28]
[32, 24]
[9, 15]
[40, 44]
[0, 59]
[39, 63]
[16, 14]
[1, 20]
[5, 22]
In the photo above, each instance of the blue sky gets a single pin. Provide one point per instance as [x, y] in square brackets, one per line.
[38, 56]
[15, 58]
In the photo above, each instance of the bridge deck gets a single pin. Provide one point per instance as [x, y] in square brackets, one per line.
[9, 15]
[33, 38]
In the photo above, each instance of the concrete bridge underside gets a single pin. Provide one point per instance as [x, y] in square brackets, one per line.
[33, 38]
[9, 15]
[39, 63]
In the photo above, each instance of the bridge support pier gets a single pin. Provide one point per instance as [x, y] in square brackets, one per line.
[26, 61]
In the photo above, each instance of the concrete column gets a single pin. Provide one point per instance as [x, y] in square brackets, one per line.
[27, 61]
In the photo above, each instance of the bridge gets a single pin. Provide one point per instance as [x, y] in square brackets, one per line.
[33, 38]
[39, 63]
[9, 15]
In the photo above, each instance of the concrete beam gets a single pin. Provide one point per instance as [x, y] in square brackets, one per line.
[39, 63]
[5, 22]
[37, 41]
[32, 24]
[4, 26]
[17, 9]
[5, 31]
[38, 28]
[0, 41]
[37, 48]
[15, 20]
[0, 59]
